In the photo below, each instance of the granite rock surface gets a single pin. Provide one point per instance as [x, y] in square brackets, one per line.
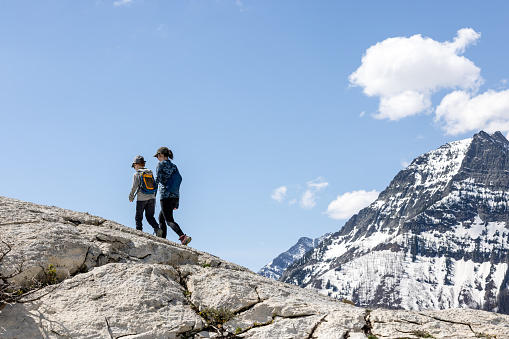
[117, 282]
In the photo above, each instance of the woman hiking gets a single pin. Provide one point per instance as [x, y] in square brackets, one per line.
[168, 178]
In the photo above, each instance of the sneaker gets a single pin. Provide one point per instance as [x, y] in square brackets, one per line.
[184, 240]
[159, 232]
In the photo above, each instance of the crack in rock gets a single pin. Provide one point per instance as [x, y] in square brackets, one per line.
[369, 326]
[60, 335]
[187, 296]
[450, 322]
[316, 326]
[410, 322]
[19, 222]
[251, 306]
[77, 222]
[256, 325]
[109, 328]
[141, 258]
[127, 335]
[297, 316]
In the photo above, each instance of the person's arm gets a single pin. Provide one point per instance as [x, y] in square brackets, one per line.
[135, 187]
[162, 175]
[157, 177]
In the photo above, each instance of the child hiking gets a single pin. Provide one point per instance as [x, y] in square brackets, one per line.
[145, 189]
[168, 178]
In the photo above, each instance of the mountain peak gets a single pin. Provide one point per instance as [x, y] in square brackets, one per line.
[276, 267]
[496, 137]
[436, 237]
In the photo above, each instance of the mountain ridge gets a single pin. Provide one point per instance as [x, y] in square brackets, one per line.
[276, 267]
[445, 214]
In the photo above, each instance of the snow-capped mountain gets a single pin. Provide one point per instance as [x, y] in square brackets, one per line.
[276, 267]
[437, 237]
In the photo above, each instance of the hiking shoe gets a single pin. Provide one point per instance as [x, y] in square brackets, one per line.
[184, 240]
[159, 232]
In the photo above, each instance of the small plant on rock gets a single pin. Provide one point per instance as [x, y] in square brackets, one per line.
[50, 275]
[216, 316]
[346, 301]
[11, 293]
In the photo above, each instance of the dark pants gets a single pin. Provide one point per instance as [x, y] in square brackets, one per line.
[166, 216]
[149, 207]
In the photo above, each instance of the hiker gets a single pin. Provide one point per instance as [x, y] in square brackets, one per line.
[168, 178]
[145, 189]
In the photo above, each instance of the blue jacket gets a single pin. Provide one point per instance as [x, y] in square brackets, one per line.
[164, 171]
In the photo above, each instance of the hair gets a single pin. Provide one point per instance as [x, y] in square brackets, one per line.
[170, 154]
[141, 163]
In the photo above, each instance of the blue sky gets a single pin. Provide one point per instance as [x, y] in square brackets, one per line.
[285, 117]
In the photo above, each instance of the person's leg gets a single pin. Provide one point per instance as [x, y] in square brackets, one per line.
[150, 209]
[162, 221]
[167, 211]
[184, 239]
[140, 206]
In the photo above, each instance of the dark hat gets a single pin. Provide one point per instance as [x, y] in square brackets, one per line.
[138, 160]
[163, 150]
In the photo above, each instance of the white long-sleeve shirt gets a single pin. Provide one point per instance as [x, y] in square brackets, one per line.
[136, 188]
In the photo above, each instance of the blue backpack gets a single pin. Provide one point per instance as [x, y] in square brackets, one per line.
[173, 184]
[148, 185]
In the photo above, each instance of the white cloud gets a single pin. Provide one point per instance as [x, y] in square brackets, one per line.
[350, 203]
[240, 5]
[404, 163]
[123, 2]
[405, 72]
[402, 105]
[279, 193]
[308, 199]
[317, 185]
[461, 112]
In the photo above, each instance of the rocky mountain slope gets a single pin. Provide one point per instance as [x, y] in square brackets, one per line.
[276, 267]
[437, 237]
[122, 283]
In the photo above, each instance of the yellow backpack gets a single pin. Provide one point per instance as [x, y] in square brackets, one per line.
[148, 184]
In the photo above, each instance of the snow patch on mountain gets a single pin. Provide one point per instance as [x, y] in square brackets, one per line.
[436, 168]
[427, 282]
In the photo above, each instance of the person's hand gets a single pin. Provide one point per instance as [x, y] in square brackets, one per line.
[175, 208]
[131, 200]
